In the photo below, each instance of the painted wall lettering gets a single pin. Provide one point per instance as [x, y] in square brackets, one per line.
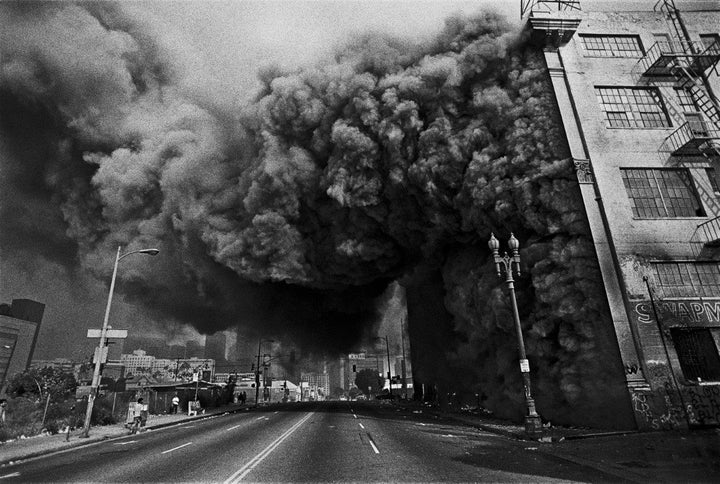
[699, 312]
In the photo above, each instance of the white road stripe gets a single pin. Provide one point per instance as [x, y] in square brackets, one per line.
[361, 425]
[373, 446]
[233, 428]
[243, 471]
[14, 474]
[260, 418]
[355, 416]
[187, 426]
[176, 448]
[126, 443]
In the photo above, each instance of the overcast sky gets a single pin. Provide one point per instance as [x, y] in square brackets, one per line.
[229, 40]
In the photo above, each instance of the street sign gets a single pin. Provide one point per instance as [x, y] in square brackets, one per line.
[524, 366]
[110, 333]
[356, 356]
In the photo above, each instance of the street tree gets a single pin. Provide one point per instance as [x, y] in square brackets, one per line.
[368, 378]
[35, 383]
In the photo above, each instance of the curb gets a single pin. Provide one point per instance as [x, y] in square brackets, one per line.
[93, 440]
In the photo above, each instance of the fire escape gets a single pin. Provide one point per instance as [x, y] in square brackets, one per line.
[684, 63]
[552, 21]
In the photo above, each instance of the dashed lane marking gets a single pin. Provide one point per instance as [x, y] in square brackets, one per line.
[176, 448]
[14, 474]
[233, 428]
[126, 443]
[361, 425]
[372, 443]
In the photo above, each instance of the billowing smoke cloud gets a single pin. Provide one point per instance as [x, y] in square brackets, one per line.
[293, 214]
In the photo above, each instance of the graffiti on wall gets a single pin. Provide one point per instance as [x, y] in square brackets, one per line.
[645, 405]
[705, 403]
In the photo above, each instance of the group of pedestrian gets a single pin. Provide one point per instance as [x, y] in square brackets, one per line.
[137, 416]
[242, 397]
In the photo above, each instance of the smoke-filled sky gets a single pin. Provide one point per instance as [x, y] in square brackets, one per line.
[139, 124]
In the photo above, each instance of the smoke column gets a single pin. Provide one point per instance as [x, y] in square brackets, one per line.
[291, 214]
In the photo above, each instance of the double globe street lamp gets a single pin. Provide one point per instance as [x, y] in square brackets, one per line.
[506, 263]
[103, 336]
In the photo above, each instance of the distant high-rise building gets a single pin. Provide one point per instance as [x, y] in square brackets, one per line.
[194, 349]
[215, 347]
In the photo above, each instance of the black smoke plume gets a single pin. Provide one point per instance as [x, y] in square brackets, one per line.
[393, 160]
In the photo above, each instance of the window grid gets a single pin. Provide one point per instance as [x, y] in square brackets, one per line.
[632, 107]
[685, 100]
[710, 40]
[712, 176]
[697, 353]
[613, 45]
[661, 193]
[688, 279]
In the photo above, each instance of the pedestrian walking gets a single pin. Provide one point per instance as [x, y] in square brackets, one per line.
[70, 422]
[137, 415]
[175, 403]
[3, 409]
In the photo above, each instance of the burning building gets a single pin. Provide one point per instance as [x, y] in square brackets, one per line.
[636, 87]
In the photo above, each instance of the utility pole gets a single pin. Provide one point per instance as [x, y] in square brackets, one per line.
[402, 367]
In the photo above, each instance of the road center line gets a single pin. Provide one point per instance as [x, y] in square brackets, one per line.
[243, 471]
[176, 448]
[233, 428]
[361, 425]
[372, 443]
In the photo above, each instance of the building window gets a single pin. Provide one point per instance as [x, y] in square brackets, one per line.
[697, 352]
[612, 45]
[711, 42]
[713, 177]
[688, 279]
[632, 107]
[661, 193]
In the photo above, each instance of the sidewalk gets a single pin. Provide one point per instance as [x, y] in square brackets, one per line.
[36, 446]
[632, 456]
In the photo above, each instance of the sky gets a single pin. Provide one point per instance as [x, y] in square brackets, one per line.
[222, 45]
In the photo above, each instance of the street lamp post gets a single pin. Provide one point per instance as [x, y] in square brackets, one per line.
[103, 334]
[257, 369]
[533, 423]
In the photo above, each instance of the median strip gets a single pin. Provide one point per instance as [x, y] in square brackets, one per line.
[176, 448]
[244, 470]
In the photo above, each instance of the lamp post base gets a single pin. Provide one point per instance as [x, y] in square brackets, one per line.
[533, 425]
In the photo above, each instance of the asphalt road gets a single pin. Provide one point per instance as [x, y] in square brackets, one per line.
[311, 442]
